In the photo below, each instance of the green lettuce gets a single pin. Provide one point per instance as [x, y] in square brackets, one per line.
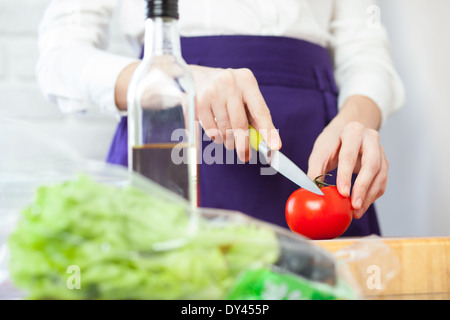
[110, 234]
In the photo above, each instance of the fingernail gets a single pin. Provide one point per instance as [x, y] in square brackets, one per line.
[358, 203]
[346, 191]
[275, 142]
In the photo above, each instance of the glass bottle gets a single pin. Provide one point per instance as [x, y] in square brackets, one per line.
[162, 128]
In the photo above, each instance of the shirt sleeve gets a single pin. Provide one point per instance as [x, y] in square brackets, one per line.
[74, 69]
[361, 54]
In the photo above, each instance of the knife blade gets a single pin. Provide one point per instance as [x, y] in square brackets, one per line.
[282, 164]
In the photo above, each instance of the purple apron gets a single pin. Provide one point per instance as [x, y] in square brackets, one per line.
[297, 82]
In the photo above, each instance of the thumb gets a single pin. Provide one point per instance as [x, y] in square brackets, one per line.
[321, 159]
[317, 165]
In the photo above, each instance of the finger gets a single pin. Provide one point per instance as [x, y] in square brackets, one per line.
[239, 124]
[370, 166]
[318, 162]
[351, 140]
[220, 112]
[209, 125]
[207, 100]
[242, 143]
[259, 113]
[323, 155]
[377, 188]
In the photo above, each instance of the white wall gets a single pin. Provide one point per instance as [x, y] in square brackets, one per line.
[416, 138]
[20, 97]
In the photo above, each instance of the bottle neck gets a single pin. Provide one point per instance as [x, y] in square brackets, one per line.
[161, 37]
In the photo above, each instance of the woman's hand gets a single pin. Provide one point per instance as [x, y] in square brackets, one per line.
[228, 100]
[351, 143]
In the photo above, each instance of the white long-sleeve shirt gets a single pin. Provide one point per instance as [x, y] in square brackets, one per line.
[76, 72]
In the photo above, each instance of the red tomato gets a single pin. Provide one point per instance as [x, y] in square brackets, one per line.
[319, 217]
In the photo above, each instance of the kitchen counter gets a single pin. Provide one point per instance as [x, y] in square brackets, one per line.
[382, 268]
[405, 268]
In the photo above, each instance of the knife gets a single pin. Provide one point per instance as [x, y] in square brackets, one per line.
[281, 163]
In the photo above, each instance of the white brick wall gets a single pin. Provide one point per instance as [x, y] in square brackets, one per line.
[21, 16]
[3, 67]
[20, 97]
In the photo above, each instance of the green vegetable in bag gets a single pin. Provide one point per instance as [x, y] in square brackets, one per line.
[85, 240]
[267, 284]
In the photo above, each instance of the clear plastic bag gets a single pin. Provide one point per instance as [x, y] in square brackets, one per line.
[369, 264]
[71, 228]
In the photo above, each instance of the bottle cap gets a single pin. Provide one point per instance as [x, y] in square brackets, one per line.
[162, 8]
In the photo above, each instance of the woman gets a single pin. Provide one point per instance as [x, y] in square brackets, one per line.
[275, 65]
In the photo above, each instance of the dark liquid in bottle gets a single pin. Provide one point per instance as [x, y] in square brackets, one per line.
[156, 162]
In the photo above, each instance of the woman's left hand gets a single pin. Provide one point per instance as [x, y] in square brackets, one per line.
[351, 143]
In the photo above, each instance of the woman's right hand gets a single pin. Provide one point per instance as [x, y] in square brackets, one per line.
[228, 100]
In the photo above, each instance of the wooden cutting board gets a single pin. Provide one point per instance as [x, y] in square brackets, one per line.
[396, 268]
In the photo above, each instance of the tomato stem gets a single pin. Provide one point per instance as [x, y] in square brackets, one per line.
[322, 183]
